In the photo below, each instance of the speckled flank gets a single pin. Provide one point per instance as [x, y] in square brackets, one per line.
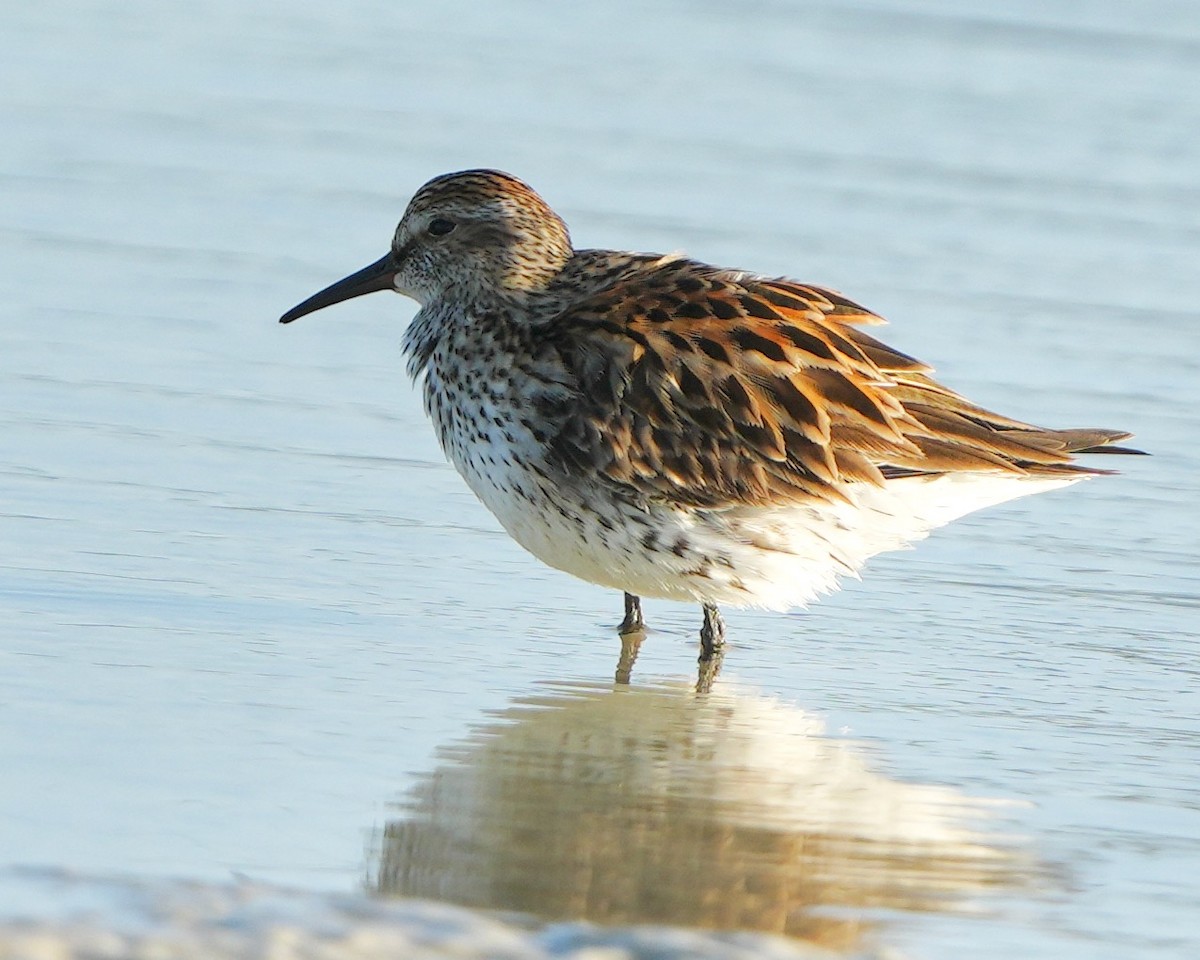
[673, 429]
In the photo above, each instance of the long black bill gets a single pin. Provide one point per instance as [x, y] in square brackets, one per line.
[378, 276]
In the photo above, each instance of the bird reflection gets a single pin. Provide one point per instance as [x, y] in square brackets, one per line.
[707, 668]
[624, 805]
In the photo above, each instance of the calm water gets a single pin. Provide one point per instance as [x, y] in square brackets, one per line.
[268, 672]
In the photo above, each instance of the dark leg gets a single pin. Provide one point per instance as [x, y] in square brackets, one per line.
[633, 621]
[712, 634]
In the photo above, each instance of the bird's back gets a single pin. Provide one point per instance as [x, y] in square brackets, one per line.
[713, 388]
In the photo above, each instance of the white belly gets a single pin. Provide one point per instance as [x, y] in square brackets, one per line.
[773, 557]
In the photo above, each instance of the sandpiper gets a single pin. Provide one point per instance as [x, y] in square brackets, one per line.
[678, 430]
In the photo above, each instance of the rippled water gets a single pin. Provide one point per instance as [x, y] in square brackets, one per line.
[268, 672]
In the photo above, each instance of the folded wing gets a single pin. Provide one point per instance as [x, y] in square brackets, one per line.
[714, 388]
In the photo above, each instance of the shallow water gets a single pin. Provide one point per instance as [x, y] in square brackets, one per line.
[264, 656]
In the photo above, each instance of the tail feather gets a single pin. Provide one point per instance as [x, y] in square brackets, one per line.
[1132, 451]
[961, 443]
[1076, 442]
[1095, 441]
[953, 434]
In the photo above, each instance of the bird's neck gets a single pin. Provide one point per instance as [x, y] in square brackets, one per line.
[459, 327]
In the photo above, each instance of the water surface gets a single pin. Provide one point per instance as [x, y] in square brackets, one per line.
[263, 655]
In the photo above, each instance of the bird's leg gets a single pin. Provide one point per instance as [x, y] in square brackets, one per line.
[712, 634]
[633, 621]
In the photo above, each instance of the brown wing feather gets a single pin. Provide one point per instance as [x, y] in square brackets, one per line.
[712, 388]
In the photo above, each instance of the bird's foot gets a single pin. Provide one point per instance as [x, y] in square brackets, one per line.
[712, 634]
[633, 622]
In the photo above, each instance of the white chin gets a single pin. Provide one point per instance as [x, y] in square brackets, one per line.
[405, 292]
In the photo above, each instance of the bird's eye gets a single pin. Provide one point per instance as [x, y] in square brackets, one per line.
[439, 227]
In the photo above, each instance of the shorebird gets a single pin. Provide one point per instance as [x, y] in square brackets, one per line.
[673, 429]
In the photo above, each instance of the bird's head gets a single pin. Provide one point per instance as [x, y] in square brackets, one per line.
[474, 232]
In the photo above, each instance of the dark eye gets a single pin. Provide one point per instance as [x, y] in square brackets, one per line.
[439, 227]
